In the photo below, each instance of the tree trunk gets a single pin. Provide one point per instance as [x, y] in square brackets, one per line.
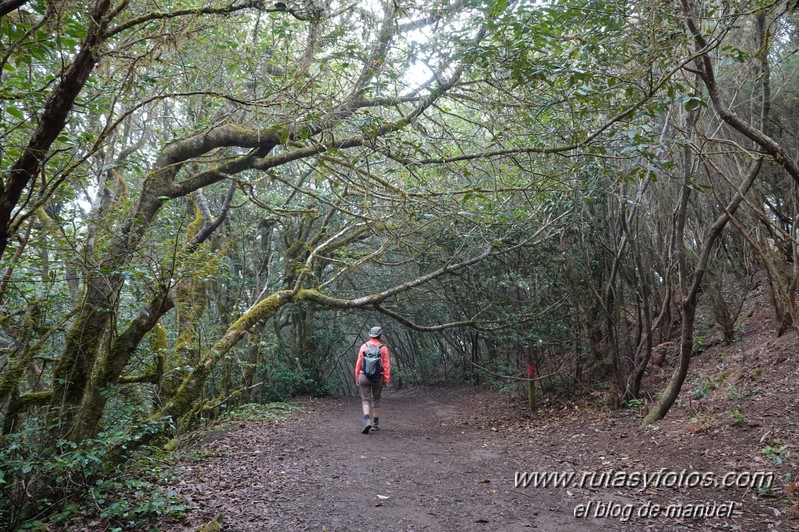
[72, 374]
[113, 362]
[52, 120]
[191, 387]
[690, 292]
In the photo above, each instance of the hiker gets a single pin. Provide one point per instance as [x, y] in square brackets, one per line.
[372, 372]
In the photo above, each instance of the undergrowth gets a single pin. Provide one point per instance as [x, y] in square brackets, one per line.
[71, 485]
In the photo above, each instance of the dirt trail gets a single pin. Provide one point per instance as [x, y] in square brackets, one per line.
[435, 465]
[447, 460]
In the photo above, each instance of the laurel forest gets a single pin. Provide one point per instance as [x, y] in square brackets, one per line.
[204, 204]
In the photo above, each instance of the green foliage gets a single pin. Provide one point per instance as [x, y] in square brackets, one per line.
[726, 289]
[564, 117]
[42, 477]
[702, 387]
[736, 416]
[284, 380]
[131, 503]
[496, 370]
[776, 451]
[564, 387]
[699, 343]
[703, 418]
[735, 395]
[634, 403]
[427, 368]
[699, 391]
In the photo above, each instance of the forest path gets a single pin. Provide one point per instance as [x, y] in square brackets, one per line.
[439, 463]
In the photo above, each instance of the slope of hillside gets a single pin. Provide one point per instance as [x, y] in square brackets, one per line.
[735, 422]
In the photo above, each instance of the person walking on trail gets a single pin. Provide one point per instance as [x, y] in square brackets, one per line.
[372, 372]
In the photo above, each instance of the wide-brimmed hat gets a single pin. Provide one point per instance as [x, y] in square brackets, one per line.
[375, 332]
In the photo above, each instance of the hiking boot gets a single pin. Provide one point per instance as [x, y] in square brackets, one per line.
[375, 426]
[367, 426]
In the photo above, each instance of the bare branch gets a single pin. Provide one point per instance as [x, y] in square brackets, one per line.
[150, 17]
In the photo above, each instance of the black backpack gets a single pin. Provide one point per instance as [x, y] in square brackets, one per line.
[372, 367]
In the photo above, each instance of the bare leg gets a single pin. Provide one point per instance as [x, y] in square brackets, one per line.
[367, 399]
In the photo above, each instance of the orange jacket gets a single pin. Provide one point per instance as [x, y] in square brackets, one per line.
[384, 360]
